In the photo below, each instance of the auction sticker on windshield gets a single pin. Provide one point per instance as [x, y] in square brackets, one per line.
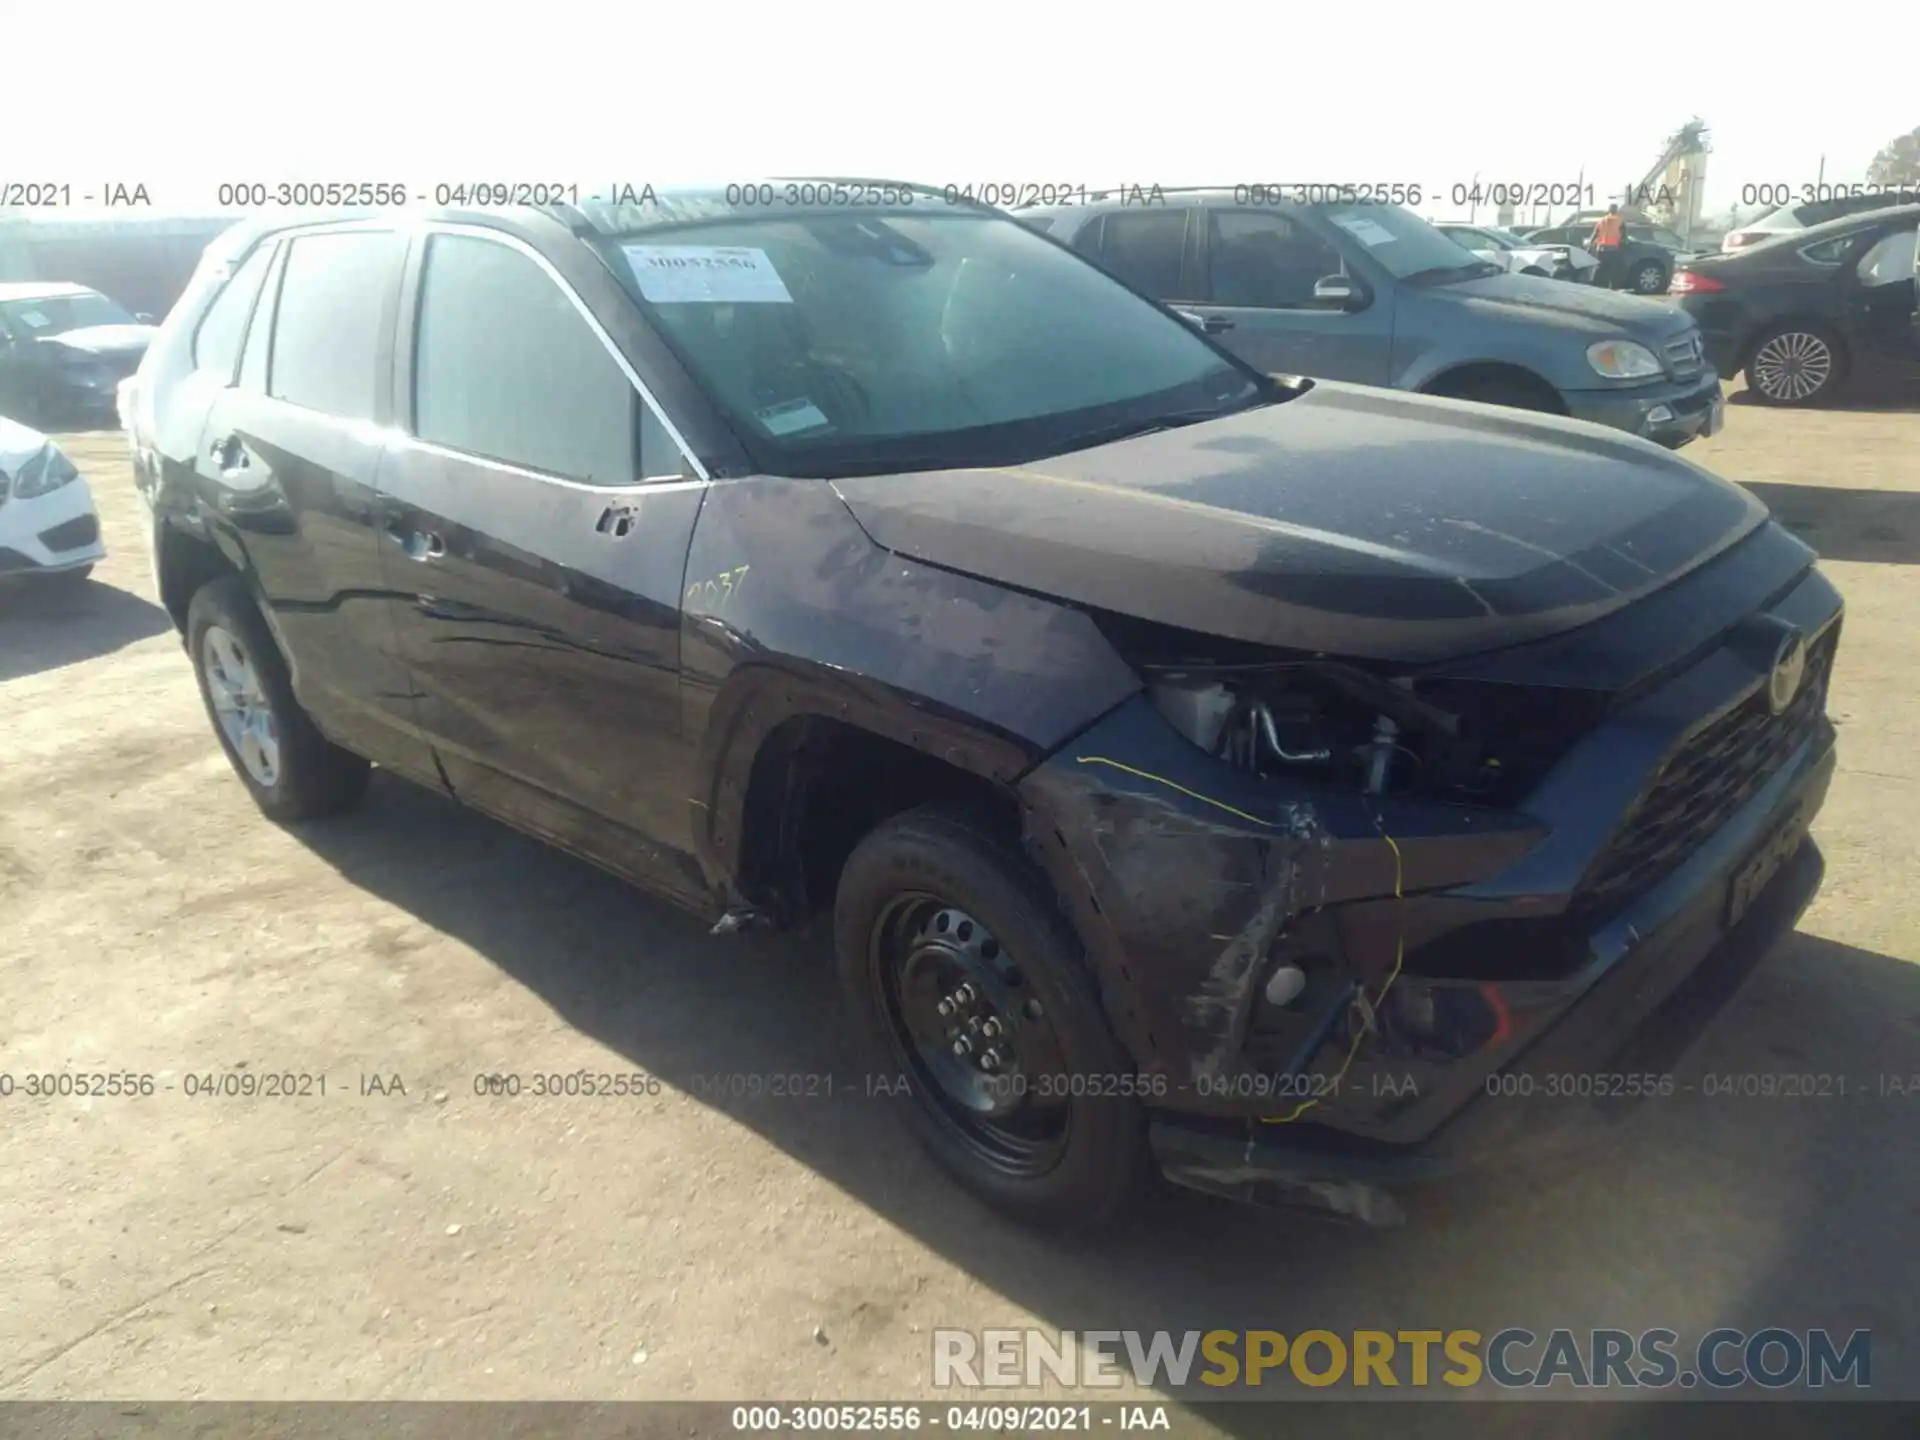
[1363, 230]
[717, 274]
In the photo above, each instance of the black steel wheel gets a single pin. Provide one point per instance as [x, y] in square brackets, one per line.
[972, 986]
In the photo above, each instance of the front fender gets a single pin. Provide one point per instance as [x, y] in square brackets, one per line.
[790, 609]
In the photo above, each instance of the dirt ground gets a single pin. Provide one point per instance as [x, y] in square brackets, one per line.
[441, 1244]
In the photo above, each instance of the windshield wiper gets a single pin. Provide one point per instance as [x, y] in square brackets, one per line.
[1127, 430]
[1441, 274]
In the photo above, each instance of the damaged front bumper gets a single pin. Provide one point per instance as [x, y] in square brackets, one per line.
[1477, 979]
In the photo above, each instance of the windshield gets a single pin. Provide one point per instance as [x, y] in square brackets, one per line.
[885, 341]
[57, 314]
[1404, 243]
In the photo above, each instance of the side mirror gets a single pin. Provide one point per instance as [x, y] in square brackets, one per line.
[1339, 292]
[144, 318]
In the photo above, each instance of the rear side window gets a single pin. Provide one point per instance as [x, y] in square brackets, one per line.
[506, 368]
[216, 344]
[1087, 242]
[336, 297]
[1144, 250]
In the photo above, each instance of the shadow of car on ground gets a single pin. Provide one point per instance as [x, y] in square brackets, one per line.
[1676, 1195]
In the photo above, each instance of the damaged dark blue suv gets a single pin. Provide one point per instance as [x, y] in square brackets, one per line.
[1181, 753]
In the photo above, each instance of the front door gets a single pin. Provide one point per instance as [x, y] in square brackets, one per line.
[1261, 269]
[535, 522]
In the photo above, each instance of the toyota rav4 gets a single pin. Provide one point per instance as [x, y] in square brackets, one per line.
[1236, 775]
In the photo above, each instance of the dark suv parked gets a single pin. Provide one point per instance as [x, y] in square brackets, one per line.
[1201, 769]
[1373, 293]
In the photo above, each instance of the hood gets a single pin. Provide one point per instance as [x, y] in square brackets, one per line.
[1362, 523]
[106, 340]
[1582, 307]
[18, 444]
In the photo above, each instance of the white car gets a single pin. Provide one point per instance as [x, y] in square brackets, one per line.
[48, 525]
[1511, 253]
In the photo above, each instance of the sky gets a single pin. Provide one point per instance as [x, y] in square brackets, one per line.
[185, 96]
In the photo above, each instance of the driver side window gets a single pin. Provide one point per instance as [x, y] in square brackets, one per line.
[1267, 262]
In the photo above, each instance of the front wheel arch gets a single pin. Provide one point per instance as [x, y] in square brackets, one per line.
[1479, 380]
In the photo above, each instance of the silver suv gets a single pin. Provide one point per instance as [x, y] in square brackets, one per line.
[1369, 292]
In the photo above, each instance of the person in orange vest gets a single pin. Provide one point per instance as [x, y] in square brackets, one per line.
[1608, 233]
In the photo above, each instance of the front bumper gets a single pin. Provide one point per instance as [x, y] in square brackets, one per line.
[1481, 944]
[1671, 413]
[49, 533]
[1610, 1053]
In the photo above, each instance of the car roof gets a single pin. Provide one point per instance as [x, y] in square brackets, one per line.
[637, 208]
[41, 290]
[1781, 240]
[1158, 197]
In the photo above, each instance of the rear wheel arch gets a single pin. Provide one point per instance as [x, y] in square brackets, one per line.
[185, 562]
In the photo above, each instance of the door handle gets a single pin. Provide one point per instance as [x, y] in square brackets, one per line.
[419, 544]
[1214, 324]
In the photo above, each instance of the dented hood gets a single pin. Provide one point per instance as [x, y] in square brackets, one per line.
[1348, 521]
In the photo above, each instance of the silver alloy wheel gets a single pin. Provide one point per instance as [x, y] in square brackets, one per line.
[1647, 279]
[240, 702]
[1793, 365]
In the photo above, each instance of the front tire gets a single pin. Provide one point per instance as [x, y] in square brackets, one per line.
[292, 771]
[968, 981]
[1795, 365]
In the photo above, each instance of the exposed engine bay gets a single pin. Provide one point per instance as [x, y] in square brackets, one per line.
[1334, 723]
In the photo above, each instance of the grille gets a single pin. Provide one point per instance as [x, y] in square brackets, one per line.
[1687, 354]
[72, 534]
[1700, 785]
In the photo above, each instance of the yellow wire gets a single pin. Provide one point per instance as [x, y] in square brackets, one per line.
[1360, 1033]
[1162, 780]
[1400, 944]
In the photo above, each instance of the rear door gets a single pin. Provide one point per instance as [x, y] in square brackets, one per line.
[1261, 269]
[285, 466]
[536, 518]
[1151, 248]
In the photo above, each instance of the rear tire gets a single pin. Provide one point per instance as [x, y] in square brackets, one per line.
[1649, 277]
[931, 903]
[1795, 364]
[292, 771]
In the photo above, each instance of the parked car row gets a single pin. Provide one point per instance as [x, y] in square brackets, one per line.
[1160, 733]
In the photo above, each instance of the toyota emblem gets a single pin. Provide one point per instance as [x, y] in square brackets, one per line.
[1789, 669]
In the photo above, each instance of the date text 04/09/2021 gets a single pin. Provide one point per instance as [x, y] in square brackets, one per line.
[1005, 1419]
